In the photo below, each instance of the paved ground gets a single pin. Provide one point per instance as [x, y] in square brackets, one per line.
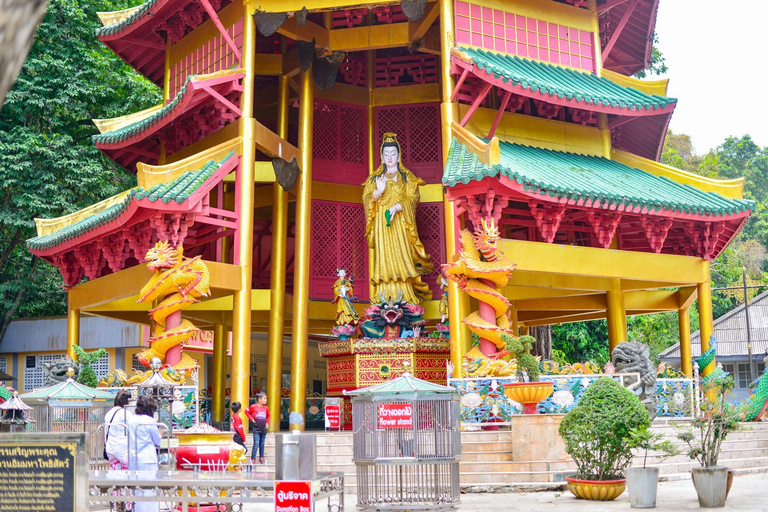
[748, 494]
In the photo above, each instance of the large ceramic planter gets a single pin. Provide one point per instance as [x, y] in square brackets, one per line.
[641, 485]
[711, 486]
[596, 489]
[528, 394]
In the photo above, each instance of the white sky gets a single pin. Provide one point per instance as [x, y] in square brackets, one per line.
[718, 69]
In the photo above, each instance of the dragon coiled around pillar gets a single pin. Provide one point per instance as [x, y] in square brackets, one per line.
[178, 281]
[480, 260]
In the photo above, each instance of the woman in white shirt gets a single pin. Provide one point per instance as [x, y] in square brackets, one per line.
[145, 437]
[116, 433]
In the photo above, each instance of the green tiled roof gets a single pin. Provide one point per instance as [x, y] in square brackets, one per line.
[406, 384]
[564, 83]
[129, 131]
[573, 176]
[68, 390]
[117, 27]
[178, 190]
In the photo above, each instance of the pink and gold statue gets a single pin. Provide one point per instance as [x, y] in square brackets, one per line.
[483, 271]
[390, 197]
[179, 282]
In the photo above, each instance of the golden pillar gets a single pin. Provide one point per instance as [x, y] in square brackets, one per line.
[684, 318]
[219, 377]
[616, 316]
[449, 112]
[524, 330]
[371, 74]
[277, 277]
[241, 314]
[73, 327]
[705, 319]
[513, 318]
[301, 259]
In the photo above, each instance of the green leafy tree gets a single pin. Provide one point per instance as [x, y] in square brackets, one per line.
[48, 165]
[657, 64]
[582, 341]
[87, 375]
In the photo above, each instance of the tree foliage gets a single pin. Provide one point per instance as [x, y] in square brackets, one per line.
[48, 164]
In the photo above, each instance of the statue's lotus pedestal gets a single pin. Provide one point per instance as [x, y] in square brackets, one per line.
[361, 362]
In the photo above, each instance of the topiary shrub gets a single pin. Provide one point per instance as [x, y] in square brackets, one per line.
[597, 430]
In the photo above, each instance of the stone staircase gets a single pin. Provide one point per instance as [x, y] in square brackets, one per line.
[498, 460]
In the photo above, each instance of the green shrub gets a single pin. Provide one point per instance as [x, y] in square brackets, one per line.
[597, 430]
[526, 363]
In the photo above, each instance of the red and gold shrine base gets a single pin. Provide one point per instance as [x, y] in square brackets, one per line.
[360, 363]
[211, 451]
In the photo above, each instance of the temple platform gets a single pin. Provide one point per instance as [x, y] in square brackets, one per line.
[531, 456]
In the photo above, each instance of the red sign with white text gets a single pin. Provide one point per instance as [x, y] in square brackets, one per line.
[333, 416]
[395, 416]
[293, 496]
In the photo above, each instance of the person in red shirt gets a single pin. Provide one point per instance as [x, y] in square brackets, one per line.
[236, 425]
[258, 413]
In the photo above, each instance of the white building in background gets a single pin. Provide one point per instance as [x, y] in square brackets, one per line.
[732, 351]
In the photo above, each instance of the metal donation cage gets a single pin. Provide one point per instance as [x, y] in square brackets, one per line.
[407, 445]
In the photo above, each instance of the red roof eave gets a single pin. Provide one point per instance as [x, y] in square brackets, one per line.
[508, 187]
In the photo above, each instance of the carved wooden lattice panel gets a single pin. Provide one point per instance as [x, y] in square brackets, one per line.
[429, 222]
[339, 146]
[215, 55]
[418, 131]
[337, 242]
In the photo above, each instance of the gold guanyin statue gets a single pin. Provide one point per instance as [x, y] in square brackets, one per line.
[343, 295]
[390, 197]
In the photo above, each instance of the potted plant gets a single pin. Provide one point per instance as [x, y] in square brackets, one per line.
[528, 390]
[705, 435]
[642, 481]
[596, 435]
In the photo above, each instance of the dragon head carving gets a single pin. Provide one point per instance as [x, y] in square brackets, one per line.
[634, 357]
[162, 256]
[486, 235]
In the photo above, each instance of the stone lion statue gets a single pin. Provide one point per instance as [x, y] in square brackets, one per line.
[633, 357]
[56, 371]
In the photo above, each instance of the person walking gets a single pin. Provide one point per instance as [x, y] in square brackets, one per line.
[258, 413]
[116, 432]
[236, 425]
[146, 441]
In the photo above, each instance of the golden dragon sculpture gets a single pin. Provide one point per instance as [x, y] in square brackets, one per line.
[178, 281]
[481, 271]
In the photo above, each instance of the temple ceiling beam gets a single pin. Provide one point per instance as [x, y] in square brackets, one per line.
[588, 261]
[128, 282]
[272, 145]
[418, 29]
[308, 32]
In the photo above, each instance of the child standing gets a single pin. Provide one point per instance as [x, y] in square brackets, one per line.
[258, 413]
[236, 425]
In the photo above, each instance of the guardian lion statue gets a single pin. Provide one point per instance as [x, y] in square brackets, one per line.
[633, 357]
[56, 371]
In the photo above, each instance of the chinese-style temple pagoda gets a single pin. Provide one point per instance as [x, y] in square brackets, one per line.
[524, 112]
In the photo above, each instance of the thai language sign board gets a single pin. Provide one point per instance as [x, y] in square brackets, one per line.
[395, 416]
[333, 417]
[293, 496]
[42, 472]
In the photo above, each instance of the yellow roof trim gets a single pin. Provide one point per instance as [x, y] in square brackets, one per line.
[113, 17]
[732, 189]
[115, 123]
[49, 226]
[151, 175]
[647, 86]
[487, 152]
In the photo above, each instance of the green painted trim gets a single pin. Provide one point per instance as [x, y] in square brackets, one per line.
[117, 27]
[574, 176]
[563, 82]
